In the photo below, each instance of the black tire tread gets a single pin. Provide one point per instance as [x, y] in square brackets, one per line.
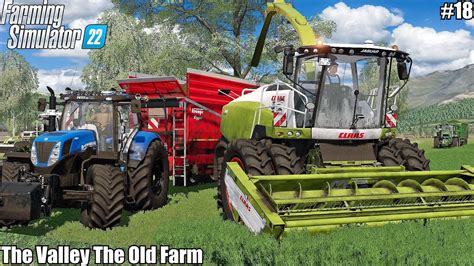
[255, 157]
[10, 170]
[107, 199]
[285, 160]
[413, 156]
[140, 179]
[389, 157]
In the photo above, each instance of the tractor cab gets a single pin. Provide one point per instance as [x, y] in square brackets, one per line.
[99, 122]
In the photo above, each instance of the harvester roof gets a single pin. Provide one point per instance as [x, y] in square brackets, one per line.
[351, 50]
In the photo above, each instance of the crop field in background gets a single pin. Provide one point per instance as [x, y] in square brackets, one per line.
[191, 219]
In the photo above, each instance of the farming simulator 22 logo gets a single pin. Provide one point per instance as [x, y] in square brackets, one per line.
[40, 26]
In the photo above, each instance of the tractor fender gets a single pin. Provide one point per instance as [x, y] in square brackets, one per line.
[139, 147]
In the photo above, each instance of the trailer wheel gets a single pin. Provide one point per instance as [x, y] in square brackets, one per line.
[11, 171]
[149, 181]
[285, 160]
[253, 158]
[105, 209]
[414, 157]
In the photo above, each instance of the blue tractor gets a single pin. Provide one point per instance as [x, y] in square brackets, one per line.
[97, 158]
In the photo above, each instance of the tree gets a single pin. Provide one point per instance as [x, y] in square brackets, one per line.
[18, 85]
[213, 35]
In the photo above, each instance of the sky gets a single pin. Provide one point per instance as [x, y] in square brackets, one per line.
[414, 25]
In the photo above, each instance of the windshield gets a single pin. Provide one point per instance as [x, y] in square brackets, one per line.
[342, 77]
[447, 129]
[96, 116]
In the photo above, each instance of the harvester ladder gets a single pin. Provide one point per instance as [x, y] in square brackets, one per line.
[179, 144]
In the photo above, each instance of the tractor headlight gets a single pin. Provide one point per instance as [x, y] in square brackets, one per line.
[33, 155]
[54, 156]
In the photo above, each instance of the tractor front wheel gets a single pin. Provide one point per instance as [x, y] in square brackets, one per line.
[149, 181]
[105, 209]
[253, 158]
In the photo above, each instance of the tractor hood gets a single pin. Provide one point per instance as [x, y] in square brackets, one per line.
[49, 148]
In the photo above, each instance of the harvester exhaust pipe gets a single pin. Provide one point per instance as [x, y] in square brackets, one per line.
[52, 106]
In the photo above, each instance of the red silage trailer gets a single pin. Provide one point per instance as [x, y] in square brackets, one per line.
[189, 118]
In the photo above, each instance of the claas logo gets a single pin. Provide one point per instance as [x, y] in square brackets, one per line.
[245, 202]
[351, 135]
[278, 98]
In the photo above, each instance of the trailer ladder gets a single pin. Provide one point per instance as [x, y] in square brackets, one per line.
[179, 144]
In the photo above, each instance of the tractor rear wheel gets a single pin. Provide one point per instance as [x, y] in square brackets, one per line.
[105, 209]
[436, 142]
[414, 157]
[285, 160]
[253, 158]
[455, 142]
[11, 171]
[150, 180]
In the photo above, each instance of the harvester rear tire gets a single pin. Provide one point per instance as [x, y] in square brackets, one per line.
[11, 170]
[108, 197]
[150, 180]
[414, 157]
[285, 160]
[253, 157]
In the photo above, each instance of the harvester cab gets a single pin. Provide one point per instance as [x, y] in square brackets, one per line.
[99, 159]
[320, 151]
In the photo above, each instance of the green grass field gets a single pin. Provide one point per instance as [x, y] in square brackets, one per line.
[191, 219]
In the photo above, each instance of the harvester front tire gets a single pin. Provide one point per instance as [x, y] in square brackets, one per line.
[253, 157]
[285, 160]
[105, 209]
[150, 180]
[11, 171]
[414, 157]
[389, 157]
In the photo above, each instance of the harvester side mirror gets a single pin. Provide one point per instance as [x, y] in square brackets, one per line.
[288, 61]
[136, 106]
[41, 104]
[402, 71]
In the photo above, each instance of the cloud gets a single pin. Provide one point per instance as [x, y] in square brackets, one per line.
[434, 50]
[77, 14]
[77, 52]
[59, 79]
[78, 9]
[356, 25]
[470, 22]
